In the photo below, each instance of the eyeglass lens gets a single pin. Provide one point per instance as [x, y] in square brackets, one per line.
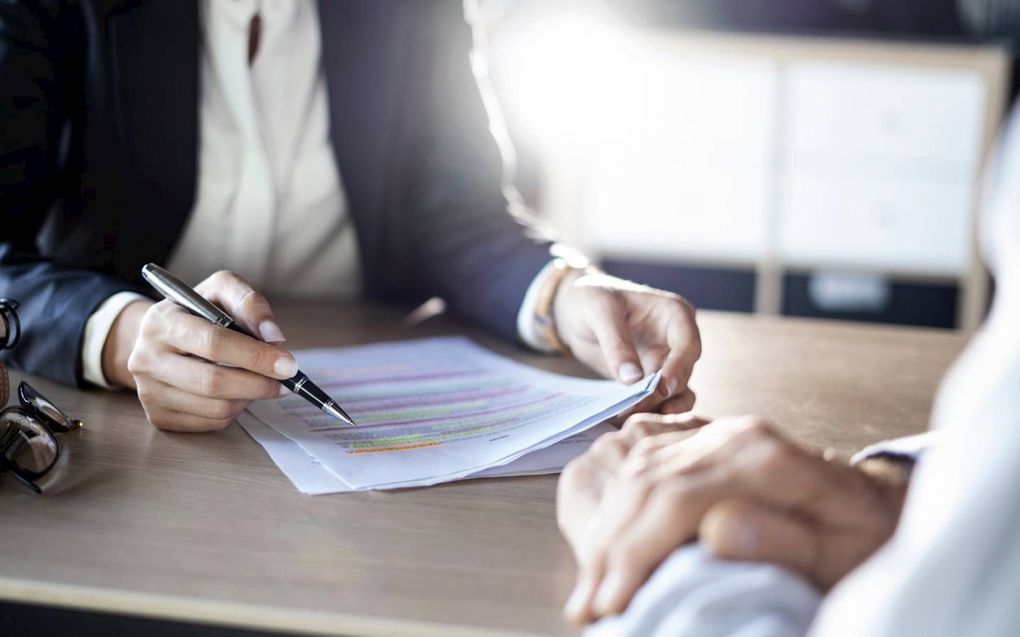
[26, 443]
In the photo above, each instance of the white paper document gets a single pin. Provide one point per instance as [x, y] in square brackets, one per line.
[311, 478]
[430, 411]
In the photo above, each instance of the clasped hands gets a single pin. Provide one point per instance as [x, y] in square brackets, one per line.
[191, 375]
[737, 485]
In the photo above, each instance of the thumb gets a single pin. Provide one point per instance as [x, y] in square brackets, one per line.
[747, 531]
[244, 303]
[609, 326]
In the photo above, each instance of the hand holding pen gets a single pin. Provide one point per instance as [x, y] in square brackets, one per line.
[193, 375]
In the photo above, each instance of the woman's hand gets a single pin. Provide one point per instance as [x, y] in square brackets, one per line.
[192, 375]
[741, 487]
[626, 331]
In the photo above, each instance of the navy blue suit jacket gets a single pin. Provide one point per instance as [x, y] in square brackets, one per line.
[98, 145]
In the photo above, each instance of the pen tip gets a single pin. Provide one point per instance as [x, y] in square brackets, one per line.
[336, 412]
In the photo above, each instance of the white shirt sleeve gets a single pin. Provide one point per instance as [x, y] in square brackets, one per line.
[912, 447]
[97, 328]
[526, 328]
[695, 595]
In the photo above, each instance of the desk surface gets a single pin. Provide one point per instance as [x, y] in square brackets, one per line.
[205, 528]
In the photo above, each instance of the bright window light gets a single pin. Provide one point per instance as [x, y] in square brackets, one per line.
[564, 75]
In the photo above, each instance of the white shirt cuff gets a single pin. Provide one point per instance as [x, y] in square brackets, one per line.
[912, 447]
[97, 328]
[527, 330]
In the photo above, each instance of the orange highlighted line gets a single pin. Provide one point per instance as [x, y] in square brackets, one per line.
[419, 445]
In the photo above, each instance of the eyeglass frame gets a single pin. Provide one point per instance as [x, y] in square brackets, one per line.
[33, 407]
[10, 320]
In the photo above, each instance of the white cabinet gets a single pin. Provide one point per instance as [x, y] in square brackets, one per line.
[779, 153]
[875, 222]
[870, 110]
[879, 167]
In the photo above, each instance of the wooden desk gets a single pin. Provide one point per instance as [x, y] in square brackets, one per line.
[204, 527]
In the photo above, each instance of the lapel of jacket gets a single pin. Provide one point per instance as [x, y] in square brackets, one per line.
[362, 49]
[154, 55]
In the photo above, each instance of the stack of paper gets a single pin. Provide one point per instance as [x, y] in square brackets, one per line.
[430, 411]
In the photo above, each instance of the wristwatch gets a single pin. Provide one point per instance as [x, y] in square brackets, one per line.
[545, 319]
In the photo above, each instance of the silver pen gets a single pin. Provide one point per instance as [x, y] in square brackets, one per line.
[177, 291]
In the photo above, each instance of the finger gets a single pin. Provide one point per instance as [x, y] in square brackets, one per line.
[736, 443]
[577, 492]
[609, 325]
[579, 604]
[667, 520]
[644, 425]
[661, 448]
[243, 303]
[202, 378]
[581, 483]
[695, 459]
[155, 393]
[192, 335]
[623, 497]
[679, 404]
[169, 420]
[753, 459]
[648, 404]
[610, 449]
[748, 531]
[684, 342]
[652, 358]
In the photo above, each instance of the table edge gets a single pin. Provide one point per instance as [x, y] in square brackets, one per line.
[230, 614]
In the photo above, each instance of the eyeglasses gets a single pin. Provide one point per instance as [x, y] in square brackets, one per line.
[10, 326]
[29, 448]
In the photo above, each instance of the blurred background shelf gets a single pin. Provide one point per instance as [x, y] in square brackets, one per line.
[779, 173]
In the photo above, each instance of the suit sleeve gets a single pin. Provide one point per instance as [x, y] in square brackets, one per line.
[36, 88]
[469, 241]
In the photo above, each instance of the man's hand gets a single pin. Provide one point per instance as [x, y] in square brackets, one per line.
[583, 479]
[192, 375]
[742, 488]
[627, 331]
